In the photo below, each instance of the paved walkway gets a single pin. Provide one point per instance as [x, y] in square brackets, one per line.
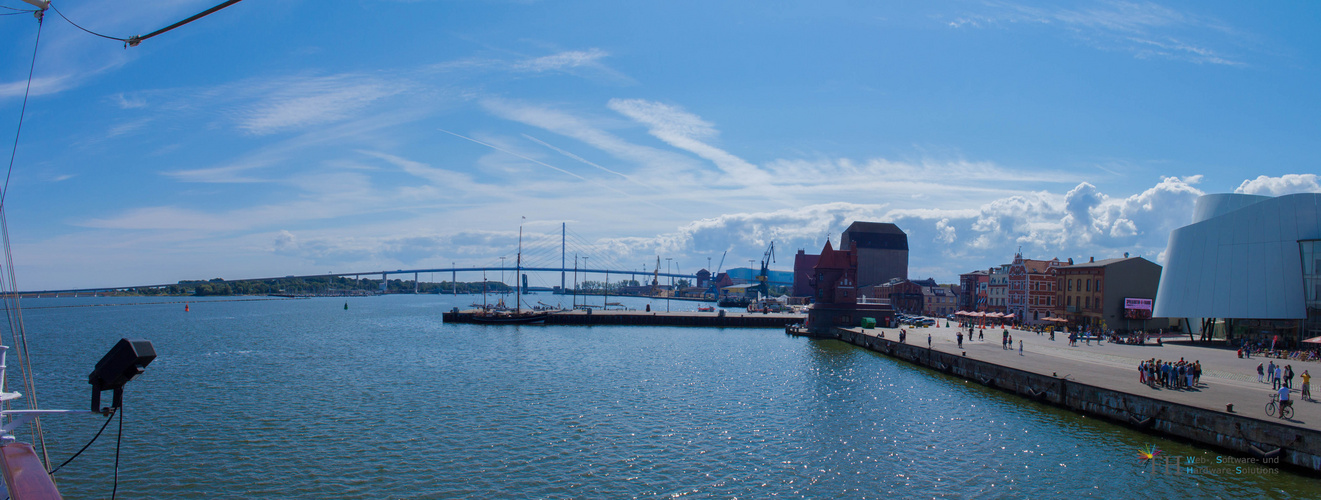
[1226, 379]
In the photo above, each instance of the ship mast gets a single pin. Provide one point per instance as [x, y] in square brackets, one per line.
[518, 273]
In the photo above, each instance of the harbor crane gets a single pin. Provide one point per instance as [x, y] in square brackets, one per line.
[711, 287]
[763, 279]
[655, 277]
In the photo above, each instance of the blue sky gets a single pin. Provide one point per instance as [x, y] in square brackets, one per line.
[284, 137]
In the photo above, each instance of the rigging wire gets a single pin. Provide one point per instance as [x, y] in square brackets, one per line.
[66, 18]
[133, 41]
[27, 90]
[13, 312]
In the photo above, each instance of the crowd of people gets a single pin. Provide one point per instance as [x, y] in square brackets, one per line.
[1270, 349]
[1296, 355]
[1131, 338]
[1170, 374]
[1281, 376]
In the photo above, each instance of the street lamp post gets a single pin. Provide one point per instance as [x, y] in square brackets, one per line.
[668, 271]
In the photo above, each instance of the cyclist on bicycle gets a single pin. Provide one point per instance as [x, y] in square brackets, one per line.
[1284, 400]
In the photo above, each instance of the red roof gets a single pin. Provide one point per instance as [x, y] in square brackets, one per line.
[834, 259]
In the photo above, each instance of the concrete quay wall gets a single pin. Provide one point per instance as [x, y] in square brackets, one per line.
[639, 318]
[1265, 440]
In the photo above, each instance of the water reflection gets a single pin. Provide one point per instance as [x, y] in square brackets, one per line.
[305, 399]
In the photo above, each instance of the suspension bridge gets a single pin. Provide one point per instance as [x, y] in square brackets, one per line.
[570, 256]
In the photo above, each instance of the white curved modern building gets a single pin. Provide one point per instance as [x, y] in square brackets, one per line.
[1252, 260]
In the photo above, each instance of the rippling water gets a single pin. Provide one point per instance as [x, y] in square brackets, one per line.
[303, 399]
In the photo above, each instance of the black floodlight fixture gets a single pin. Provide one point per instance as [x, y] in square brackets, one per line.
[124, 362]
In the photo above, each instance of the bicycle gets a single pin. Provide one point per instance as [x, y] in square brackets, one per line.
[1285, 412]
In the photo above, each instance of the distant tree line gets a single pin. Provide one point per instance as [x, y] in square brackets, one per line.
[330, 285]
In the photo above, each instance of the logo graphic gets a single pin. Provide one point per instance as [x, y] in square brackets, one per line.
[1148, 453]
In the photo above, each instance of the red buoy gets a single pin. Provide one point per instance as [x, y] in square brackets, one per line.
[185, 307]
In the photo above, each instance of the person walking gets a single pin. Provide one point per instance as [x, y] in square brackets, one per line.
[1270, 373]
[1288, 376]
[928, 341]
[1260, 371]
[960, 337]
[1279, 378]
[1020, 347]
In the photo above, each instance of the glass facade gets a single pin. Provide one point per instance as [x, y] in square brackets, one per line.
[1311, 257]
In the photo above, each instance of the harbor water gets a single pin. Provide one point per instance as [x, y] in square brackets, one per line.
[307, 399]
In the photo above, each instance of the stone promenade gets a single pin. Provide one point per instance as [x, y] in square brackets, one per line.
[1226, 379]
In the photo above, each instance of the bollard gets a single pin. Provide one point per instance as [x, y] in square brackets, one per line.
[1229, 408]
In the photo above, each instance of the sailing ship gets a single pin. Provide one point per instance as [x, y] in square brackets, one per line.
[501, 315]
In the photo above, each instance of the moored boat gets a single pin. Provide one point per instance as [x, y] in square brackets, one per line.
[507, 318]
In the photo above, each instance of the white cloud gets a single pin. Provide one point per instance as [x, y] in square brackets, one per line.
[41, 85]
[1078, 224]
[300, 102]
[1144, 29]
[1282, 185]
[691, 133]
[124, 101]
[562, 60]
[945, 232]
[587, 63]
[285, 241]
[664, 166]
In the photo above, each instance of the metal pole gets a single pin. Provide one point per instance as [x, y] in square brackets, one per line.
[561, 257]
[667, 270]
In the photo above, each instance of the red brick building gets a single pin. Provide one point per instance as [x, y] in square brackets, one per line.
[1092, 294]
[905, 296]
[973, 288]
[804, 265]
[835, 285]
[1032, 287]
